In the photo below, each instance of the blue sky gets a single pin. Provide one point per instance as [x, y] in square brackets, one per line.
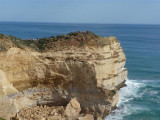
[81, 11]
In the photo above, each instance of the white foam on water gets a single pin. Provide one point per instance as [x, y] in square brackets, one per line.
[126, 94]
[153, 92]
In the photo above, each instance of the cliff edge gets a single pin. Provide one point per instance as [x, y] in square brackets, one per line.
[75, 75]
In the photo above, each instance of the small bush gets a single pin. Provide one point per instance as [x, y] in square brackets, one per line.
[2, 48]
[80, 38]
[1, 35]
[1, 118]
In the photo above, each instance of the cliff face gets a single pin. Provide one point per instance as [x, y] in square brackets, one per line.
[82, 66]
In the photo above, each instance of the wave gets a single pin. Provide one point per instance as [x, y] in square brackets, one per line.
[126, 95]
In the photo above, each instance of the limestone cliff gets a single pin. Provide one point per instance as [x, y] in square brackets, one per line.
[52, 71]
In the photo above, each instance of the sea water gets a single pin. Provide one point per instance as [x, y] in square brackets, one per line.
[140, 99]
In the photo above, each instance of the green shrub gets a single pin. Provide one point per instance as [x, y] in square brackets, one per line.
[1, 35]
[80, 37]
[1, 118]
[2, 48]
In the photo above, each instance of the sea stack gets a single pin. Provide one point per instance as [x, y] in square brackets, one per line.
[66, 77]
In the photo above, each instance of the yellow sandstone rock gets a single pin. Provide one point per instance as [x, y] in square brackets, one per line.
[86, 67]
[72, 109]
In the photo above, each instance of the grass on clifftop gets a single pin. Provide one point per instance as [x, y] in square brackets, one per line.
[71, 39]
[78, 39]
[1, 118]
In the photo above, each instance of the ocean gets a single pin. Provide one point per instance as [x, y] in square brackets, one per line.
[140, 99]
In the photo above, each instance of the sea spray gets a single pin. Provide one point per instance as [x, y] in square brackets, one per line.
[126, 95]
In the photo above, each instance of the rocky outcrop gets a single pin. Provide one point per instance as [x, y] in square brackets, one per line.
[70, 112]
[79, 65]
[73, 109]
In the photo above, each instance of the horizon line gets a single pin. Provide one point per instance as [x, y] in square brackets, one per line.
[82, 23]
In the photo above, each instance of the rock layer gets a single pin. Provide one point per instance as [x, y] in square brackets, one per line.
[86, 67]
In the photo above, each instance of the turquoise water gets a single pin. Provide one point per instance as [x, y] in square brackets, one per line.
[140, 100]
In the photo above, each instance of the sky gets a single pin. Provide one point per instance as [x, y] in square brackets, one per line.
[81, 11]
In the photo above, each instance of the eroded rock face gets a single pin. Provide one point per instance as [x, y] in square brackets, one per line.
[91, 73]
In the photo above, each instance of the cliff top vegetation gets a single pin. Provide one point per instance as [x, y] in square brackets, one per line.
[78, 39]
